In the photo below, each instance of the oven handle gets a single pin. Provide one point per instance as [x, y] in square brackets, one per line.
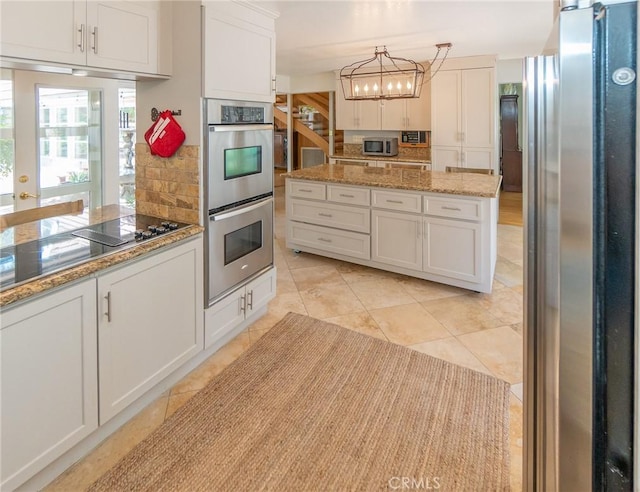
[240, 210]
[240, 128]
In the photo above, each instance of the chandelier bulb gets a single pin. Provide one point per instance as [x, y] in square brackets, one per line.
[399, 86]
[390, 86]
[366, 87]
[356, 89]
[375, 87]
[408, 85]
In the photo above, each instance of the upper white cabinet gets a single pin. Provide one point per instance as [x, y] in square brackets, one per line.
[393, 114]
[116, 35]
[149, 323]
[356, 115]
[49, 370]
[408, 114]
[463, 109]
[239, 60]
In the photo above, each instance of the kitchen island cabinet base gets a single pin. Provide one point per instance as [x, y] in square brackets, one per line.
[472, 286]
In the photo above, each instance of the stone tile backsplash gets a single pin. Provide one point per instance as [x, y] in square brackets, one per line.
[168, 187]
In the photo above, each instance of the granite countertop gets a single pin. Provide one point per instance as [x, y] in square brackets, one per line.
[466, 184]
[32, 231]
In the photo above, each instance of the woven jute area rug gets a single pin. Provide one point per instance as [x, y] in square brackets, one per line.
[313, 406]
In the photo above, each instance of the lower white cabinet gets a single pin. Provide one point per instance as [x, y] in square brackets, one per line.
[441, 157]
[149, 323]
[396, 239]
[49, 379]
[446, 238]
[240, 305]
[452, 248]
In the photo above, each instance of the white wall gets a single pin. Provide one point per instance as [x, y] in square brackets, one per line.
[182, 91]
[510, 71]
[299, 84]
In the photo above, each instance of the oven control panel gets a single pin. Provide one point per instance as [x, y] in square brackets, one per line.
[233, 115]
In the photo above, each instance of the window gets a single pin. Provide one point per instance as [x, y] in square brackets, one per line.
[46, 116]
[127, 145]
[81, 150]
[62, 115]
[62, 149]
[81, 115]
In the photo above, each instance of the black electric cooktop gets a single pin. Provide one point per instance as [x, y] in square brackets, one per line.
[27, 261]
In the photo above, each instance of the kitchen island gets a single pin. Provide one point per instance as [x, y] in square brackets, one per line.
[432, 225]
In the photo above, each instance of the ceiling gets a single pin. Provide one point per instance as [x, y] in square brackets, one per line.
[315, 36]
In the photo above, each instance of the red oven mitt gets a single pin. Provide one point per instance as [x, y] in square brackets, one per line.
[165, 136]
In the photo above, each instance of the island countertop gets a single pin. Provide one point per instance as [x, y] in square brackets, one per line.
[466, 184]
[395, 158]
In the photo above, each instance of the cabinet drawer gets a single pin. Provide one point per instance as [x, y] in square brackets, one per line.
[347, 194]
[340, 216]
[453, 207]
[407, 202]
[331, 240]
[304, 189]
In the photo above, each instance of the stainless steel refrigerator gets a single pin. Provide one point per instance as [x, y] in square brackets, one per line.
[581, 273]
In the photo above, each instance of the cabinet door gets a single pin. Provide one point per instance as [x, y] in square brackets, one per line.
[396, 239]
[368, 115]
[224, 316]
[418, 111]
[150, 323]
[122, 35]
[478, 107]
[452, 249]
[482, 158]
[44, 30]
[394, 114]
[345, 111]
[260, 291]
[441, 157]
[239, 58]
[446, 107]
[48, 354]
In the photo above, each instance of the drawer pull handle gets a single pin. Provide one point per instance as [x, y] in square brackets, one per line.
[395, 201]
[325, 240]
[346, 196]
[305, 191]
[452, 208]
[324, 215]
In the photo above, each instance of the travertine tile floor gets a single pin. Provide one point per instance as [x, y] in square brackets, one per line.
[479, 331]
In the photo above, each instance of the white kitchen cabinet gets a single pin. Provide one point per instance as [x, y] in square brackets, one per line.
[240, 305]
[452, 248]
[435, 236]
[149, 323]
[239, 52]
[407, 114]
[392, 114]
[357, 115]
[116, 35]
[396, 239]
[463, 118]
[441, 157]
[49, 386]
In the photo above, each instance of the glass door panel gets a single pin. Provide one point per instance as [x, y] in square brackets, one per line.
[7, 143]
[127, 146]
[69, 145]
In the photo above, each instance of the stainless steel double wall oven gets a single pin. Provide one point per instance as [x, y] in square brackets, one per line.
[239, 193]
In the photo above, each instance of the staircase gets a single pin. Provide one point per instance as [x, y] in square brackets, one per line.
[310, 114]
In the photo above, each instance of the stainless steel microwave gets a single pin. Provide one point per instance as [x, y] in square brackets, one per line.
[384, 146]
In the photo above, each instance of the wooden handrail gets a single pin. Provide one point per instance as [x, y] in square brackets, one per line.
[23, 216]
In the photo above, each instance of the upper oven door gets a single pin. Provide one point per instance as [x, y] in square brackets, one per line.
[239, 163]
[240, 245]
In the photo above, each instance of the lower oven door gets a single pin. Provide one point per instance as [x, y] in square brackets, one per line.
[240, 245]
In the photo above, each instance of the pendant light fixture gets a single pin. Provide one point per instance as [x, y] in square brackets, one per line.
[386, 77]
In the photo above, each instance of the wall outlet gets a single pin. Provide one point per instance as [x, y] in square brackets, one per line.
[356, 139]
